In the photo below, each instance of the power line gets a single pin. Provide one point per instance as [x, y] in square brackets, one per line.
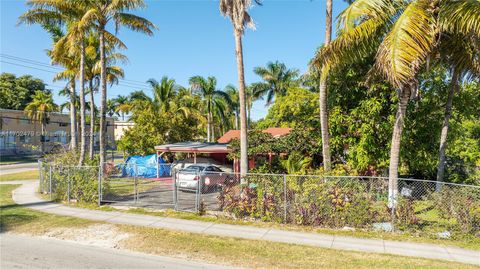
[120, 84]
[20, 59]
[28, 67]
[127, 82]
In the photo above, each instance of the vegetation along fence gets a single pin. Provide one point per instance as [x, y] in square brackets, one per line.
[422, 207]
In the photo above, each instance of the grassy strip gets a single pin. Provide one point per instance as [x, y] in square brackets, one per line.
[469, 243]
[263, 254]
[33, 174]
[245, 253]
[19, 219]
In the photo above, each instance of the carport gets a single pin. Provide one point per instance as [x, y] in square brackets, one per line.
[216, 151]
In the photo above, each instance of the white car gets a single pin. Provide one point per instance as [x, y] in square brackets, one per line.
[208, 176]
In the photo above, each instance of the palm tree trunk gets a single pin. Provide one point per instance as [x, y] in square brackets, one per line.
[103, 98]
[236, 120]
[209, 123]
[403, 97]
[92, 122]
[243, 107]
[444, 133]
[83, 135]
[327, 159]
[73, 117]
[213, 130]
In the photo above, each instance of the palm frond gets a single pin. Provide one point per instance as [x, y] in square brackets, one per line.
[406, 46]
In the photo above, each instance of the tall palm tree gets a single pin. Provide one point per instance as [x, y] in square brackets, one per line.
[207, 87]
[403, 34]
[99, 14]
[277, 79]
[38, 109]
[322, 98]
[237, 12]
[92, 75]
[462, 55]
[71, 45]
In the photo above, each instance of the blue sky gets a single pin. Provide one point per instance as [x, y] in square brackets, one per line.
[193, 39]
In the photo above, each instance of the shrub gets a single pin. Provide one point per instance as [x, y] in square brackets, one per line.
[460, 204]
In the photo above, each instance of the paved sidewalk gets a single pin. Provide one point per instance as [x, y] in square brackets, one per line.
[25, 195]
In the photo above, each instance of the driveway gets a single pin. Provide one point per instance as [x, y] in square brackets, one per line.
[34, 252]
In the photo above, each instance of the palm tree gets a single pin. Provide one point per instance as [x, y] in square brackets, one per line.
[277, 79]
[99, 14]
[38, 109]
[322, 98]
[403, 34]
[233, 94]
[71, 46]
[111, 108]
[164, 93]
[237, 12]
[122, 105]
[211, 96]
[462, 55]
[92, 75]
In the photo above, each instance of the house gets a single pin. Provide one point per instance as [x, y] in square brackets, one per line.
[218, 151]
[20, 135]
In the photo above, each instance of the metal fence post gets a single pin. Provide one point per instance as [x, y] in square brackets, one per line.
[284, 198]
[68, 185]
[197, 196]
[175, 189]
[40, 180]
[100, 171]
[135, 184]
[50, 176]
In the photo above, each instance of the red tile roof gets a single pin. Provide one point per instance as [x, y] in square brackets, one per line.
[235, 134]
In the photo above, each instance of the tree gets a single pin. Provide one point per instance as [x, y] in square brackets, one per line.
[461, 54]
[403, 35]
[207, 87]
[277, 79]
[92, 75]
[38, 109]
[17, 92]
[237, 12]
[322, 99]
[122, 105]
[99, 14]
[233, 94]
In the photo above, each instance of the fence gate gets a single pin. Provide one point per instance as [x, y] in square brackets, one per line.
[132, 185]
[186, 192]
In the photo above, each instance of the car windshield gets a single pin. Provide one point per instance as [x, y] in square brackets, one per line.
[195, 168]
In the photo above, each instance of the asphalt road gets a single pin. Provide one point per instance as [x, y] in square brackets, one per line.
[17, 168]
[33, 252]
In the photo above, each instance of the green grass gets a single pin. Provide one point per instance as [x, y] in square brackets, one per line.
[19, 219]
[33, 174]
[4, 160]
[239, 252]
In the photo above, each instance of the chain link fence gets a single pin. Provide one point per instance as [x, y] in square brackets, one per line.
[356, 202]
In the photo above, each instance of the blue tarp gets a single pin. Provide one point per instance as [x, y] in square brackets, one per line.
[145, 166]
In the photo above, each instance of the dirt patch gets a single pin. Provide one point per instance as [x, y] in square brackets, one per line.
[101, 235]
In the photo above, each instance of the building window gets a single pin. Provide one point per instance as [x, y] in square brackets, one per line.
[25, 121]
[62, 124]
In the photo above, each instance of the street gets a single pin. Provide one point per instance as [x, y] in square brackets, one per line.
[33, 252]
[17, 168]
